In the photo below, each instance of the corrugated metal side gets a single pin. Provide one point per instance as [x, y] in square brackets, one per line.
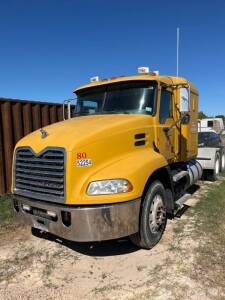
[17, 119]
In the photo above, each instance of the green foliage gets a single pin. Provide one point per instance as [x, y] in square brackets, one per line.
[210, 211]
[201, 115]
[5, 209]
[209, 231]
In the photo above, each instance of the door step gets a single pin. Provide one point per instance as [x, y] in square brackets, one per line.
[180, 202]
[179, 175]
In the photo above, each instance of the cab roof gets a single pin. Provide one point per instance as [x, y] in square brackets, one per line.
[170, 80]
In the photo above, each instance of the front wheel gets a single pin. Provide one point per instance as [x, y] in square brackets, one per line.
[153, 217]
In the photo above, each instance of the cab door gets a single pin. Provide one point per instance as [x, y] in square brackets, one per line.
[165, 126]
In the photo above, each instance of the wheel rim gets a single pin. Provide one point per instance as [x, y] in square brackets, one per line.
[223, 162]
[217, 168]
[157, 215]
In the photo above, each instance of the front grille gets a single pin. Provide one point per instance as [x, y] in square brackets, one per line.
[40, 176]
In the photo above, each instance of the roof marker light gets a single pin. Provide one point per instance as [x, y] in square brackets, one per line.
[94, 79]
[143, 70]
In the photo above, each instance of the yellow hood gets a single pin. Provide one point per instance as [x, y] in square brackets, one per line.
[83, 130]
[108, 143]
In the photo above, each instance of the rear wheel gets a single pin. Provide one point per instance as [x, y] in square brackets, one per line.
[216, 170]
[153, 217]
[222, 162]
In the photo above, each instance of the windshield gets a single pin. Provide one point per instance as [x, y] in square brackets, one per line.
[205, 136]
[126, 98]
[208, 138]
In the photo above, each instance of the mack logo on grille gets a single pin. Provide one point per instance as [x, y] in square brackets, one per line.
[40, 176]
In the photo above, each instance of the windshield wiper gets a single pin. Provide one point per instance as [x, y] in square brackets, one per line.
[115, 112]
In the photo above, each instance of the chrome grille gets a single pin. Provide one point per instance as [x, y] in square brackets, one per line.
[40, 176]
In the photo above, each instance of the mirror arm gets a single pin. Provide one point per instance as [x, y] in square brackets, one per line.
[168, 129]
[67, 103]
[183, 119]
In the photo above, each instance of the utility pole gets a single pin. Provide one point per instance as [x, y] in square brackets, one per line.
[178, 45]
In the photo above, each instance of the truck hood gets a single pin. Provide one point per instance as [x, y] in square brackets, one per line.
[83, 130]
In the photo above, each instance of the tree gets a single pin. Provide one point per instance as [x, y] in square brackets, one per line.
[201, 115]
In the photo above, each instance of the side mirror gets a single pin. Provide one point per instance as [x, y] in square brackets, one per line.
[184, 100]
[185, 119]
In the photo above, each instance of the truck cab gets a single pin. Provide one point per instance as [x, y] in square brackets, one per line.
[118, 167]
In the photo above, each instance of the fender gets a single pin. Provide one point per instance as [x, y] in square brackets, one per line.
[136, 167]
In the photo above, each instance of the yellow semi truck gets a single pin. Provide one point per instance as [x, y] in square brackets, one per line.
[119, 167]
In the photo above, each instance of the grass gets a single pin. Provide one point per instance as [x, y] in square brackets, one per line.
[210, 211]
[210, 231]
[6, 212]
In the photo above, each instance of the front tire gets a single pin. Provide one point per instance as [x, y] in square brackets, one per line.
[153, 217]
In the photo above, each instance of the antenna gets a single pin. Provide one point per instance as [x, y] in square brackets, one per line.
[178, 44]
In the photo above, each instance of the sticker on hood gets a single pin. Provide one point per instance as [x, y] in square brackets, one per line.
[82, 160]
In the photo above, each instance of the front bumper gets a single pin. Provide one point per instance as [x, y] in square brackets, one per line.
[82, 224]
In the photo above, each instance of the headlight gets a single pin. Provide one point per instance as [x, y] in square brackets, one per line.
[110, 186]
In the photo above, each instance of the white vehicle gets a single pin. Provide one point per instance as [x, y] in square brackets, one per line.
[211, 124]
[211, 153]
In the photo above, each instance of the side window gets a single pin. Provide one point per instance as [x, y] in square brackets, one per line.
[165, 106]
[210, 123]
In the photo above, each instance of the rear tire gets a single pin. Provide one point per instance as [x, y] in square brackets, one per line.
[216, 170]
[222, 162]
[153, 217]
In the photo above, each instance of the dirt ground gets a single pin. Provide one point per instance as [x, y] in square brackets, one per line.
[45, 267]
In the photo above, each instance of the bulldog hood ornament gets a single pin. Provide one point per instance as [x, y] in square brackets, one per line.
[44, 133]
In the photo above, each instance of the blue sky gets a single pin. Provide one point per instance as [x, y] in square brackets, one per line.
[49, 47]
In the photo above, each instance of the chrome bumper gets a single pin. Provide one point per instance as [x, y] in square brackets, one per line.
[82, 224]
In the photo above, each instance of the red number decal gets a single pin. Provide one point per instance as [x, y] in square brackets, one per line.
[81, 155]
